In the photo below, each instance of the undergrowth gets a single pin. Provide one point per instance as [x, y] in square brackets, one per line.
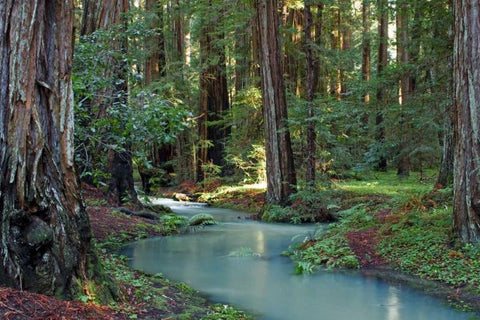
[420, 241]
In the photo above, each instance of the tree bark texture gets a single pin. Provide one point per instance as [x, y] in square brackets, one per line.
[99, 14]
[466, 205]
[45, 232]
[281, 177]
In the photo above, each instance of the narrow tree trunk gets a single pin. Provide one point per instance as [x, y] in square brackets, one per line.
[294, 23]
[403, 57]
[445, 175]
[345, 25]
[122, 184]
[366, 55]
[382, 7]
[466, 203]
[44, 227]
[319, 69]
[311, 86]
[281, 177]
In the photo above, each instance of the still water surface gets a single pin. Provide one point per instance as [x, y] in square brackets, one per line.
[264, 284]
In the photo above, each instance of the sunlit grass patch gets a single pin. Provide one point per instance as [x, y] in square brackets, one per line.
[389, 184]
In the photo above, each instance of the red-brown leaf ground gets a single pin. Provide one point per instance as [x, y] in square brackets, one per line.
[22, 305]
[364, 242]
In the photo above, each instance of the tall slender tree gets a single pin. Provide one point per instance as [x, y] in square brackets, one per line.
[281, 177]
[403, 58]
[366, 49]
[311, 83]
[45, 230]
[382, 7]
[466, 204]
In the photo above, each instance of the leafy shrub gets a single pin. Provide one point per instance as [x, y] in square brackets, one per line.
[331, 251]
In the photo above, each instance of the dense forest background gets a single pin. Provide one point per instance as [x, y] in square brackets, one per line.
[174, 88]
[289, 95]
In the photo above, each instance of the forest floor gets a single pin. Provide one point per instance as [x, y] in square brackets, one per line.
[138, 295]
[398, 231]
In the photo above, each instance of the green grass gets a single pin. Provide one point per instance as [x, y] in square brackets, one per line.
[389, 184]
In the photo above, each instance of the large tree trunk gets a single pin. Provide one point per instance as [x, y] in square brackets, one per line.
[281, 177]
[45, 230]
[466, 204]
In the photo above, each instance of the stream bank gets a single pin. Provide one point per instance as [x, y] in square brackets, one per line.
[138, 295]
[239, 262]
[397, 230]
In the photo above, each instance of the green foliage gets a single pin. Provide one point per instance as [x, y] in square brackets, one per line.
[110, 115]
[277, 213]
[174, 222]
[202, 219]
[245, 149]
[421, 243]
[308, 205]
[330, 250]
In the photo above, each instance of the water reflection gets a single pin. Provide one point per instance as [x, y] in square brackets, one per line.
[260, 247]
[393, 304]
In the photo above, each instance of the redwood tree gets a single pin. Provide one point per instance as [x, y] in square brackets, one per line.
[466, 205]
[44, 227]
[281, 177]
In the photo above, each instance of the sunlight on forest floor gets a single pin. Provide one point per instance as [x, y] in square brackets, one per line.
[388, 183]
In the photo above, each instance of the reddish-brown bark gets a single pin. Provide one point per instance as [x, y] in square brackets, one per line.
[281, 177]
[44, 228]
[466, 203]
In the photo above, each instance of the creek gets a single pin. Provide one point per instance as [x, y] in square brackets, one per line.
[239, 262]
